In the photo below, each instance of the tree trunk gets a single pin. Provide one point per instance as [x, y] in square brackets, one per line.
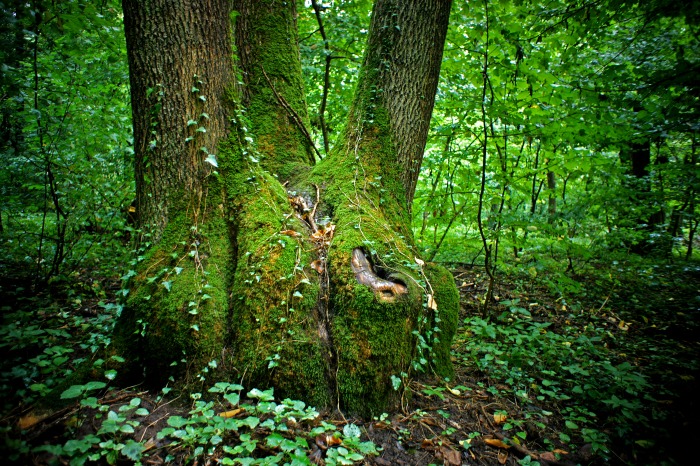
[285, 273]
[637, 157]
[180, 67]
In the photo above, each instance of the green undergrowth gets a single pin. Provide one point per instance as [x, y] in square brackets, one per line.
[615, 357]
[254, 431]
[46, 341]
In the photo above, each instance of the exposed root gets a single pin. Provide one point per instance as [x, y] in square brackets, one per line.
[385, 290]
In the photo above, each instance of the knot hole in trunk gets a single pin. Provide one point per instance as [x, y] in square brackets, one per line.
[387, 287]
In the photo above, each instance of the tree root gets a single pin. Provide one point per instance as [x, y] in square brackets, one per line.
[385, 290]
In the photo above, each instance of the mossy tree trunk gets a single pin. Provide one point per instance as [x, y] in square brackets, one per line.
[285, 270]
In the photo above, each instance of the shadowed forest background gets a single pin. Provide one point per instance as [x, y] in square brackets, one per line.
[559, 186]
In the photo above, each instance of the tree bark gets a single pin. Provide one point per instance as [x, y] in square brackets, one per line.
[180, 62]
[179, 56]
[274, 270]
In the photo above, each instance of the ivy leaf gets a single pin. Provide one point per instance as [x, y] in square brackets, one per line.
[351, 430]
[132, 450]
[176, 421]
[73, 391]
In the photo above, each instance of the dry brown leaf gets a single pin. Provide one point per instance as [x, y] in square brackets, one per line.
[324, 441]
[29, 420]
[502, 457]
[560, 452]
[150, 443]
[548, 456]
[291, 233]
[499, 418]
[232, 413]
[426, 443]
[318, 266]
[432, 304]
[450, 457]
[494, 442]
[429, 421]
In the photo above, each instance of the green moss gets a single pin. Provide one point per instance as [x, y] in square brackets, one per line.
[445, 318]
[275, 338]
[276, 102]
[178, 305]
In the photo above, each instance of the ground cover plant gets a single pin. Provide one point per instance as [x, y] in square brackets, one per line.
[592, 378]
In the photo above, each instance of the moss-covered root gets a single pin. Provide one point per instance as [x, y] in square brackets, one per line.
[444, 314]
[176, 316]
[275, 296]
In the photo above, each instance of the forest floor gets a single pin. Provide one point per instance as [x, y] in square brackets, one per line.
[533, 407]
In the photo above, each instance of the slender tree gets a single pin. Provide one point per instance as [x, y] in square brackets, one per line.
[261, 261]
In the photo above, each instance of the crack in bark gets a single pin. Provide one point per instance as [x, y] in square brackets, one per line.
[321, 237]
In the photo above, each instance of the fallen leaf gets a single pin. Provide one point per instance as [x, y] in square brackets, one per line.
[432, 304]
[494, 442]
[428, 421]
[290, 233]
[426, 443]
[548, 456]
[232, 413]
[150, 443]
[29, 420]
[560, 452]
[502, 457]
[450, 457]
[318, 266]
[325, 441]
[499, 418]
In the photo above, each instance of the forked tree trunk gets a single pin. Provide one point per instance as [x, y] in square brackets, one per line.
[286, 273]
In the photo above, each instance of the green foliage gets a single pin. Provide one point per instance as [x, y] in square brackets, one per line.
[44, 343]
[530, 87]
[65, 181]
[552, 96]
[565, 368]
[265, 432]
